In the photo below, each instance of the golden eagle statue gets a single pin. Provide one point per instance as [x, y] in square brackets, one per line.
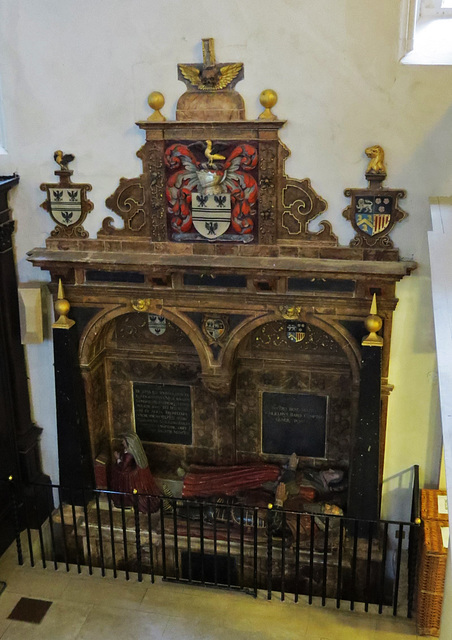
[212, 78]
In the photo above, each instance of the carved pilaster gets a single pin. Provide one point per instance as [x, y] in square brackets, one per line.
[154, 171]
[268, 159]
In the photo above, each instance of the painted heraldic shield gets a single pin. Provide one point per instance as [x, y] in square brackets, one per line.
[211, 214]
[65, 205]
[373, 213]
[214, 328]
[295, 331]
[156, 324]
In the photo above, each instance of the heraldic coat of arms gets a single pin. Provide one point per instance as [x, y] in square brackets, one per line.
[374, 211]
[211, 195]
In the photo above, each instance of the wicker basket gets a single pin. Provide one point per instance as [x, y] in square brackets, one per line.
[432, 573]
[429, 505]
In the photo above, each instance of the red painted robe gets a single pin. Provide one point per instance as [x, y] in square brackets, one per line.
[126, 476]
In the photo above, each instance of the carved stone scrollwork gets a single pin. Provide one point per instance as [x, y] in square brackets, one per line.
[301, 205]
[267, 192]
[128, 201]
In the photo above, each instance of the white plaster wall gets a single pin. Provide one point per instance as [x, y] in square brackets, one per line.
[76, 76]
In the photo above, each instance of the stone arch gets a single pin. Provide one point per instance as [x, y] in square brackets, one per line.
[98, 327]
[333, 328]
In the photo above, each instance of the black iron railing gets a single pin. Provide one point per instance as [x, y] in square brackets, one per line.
[222, 545]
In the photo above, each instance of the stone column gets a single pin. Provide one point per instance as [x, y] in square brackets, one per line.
[74, 456]
[364, 490]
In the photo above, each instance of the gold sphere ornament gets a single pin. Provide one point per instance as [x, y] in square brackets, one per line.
[62, 308]
[373, 323]
[268, 99]
[156, 100]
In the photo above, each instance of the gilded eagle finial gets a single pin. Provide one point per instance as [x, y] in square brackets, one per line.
[210, 75]
[211, 78]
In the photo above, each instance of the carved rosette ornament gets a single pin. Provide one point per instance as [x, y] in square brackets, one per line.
[374, 211]
[66, 201]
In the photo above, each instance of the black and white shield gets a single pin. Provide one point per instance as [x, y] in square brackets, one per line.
[211, 214]
[156, 324]
[65, 205]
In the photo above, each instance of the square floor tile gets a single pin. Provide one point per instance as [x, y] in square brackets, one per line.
[30, 610]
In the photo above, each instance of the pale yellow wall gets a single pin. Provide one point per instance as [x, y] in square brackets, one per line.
[76, 75]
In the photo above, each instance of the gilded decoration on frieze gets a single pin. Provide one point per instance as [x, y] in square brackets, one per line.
[290, 312]
[374, 211]
[211, 195]
[66, 201]
[147, 305]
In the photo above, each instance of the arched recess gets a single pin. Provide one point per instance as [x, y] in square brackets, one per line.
[96, 330]
[333, 328]
[324, 365]
[109, 385]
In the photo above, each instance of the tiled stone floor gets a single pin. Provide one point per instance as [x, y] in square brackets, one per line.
[94, 608]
